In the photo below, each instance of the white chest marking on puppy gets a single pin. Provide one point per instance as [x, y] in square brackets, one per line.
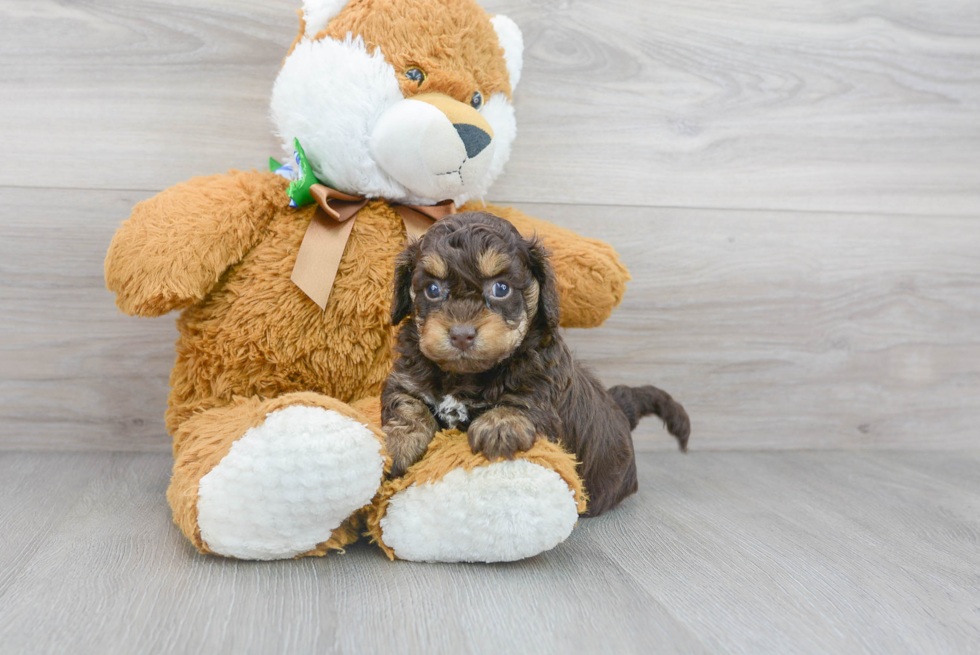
[451, 412]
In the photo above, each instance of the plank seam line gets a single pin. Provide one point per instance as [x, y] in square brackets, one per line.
[496, 201]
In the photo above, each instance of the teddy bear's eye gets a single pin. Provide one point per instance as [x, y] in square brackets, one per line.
[416, 75]
[476, 100]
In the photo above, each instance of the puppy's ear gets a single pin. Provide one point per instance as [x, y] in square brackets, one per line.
[549, 305]
[402, 304]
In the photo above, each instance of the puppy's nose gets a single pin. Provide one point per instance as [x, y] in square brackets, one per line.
[474, 139]
[462, 336]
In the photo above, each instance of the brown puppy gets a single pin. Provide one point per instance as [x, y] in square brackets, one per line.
[482, 353]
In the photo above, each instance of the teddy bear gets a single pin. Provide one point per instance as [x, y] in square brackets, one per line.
[392, 113]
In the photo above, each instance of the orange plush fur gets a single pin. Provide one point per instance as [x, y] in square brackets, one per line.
[250, 333]
[444, 38]
[256, 333]
[210, 435]
[222, 248]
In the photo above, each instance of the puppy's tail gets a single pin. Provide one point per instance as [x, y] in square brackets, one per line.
[637, 402]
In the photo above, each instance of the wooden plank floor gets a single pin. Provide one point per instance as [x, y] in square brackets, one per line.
[793, 552]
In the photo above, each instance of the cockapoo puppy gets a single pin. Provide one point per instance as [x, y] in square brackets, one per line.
[482, 352]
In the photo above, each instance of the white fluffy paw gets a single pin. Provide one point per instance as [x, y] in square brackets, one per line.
[502, 512]
[287, 484]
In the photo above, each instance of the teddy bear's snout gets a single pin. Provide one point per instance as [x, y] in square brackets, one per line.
[435, 146]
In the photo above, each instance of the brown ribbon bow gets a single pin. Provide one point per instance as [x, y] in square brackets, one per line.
[323, 245]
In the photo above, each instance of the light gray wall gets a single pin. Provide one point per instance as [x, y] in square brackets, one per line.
[795, 187]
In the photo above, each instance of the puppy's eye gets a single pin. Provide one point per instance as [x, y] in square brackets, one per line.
[500, 290]
[433, 291]
[416, 75]
[476, 100]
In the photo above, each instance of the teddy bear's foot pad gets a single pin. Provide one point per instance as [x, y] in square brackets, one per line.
[288, 483]
[501, 512]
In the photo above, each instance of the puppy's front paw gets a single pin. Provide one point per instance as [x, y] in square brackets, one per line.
[406, 444]
[501, 432]
[408, 428]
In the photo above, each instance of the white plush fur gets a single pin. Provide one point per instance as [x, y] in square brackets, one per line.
[499, 112]
[502, 512]
[317, 13]
[331, 95]
[417, 145]
[288, 483]
[512, 41]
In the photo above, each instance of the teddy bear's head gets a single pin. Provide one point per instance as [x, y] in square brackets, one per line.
[408, 100]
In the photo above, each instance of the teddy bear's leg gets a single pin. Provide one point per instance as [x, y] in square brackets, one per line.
[454, 506]
[275, 478]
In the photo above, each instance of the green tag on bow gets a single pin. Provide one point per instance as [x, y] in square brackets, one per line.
[299, 189]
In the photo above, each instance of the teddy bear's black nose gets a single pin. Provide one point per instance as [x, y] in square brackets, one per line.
[475, 139]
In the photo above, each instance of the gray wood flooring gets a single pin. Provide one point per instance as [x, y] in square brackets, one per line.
[751, 552]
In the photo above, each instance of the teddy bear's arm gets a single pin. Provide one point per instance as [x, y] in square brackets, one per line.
[176, 245]
[591, 279]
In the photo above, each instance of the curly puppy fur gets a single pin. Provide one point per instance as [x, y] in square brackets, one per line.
[482, 353]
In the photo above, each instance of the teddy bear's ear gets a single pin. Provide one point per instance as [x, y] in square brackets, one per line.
[512, 41]
[317, 13]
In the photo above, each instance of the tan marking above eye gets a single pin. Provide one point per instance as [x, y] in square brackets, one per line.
[492, 262]
[435, 266]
